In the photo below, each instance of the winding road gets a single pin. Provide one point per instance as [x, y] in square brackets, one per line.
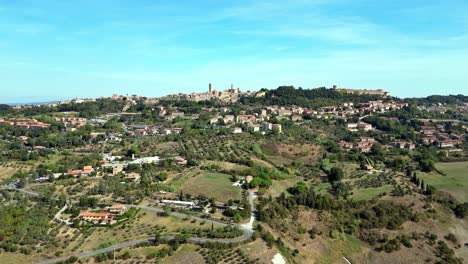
[58, 215]
[247, 230]
[13, 187]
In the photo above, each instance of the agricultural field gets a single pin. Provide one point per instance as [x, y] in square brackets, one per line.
[227, 165]
[197, 255]
[7, 169]
[321, 188]
[455, 182]
[369, 193]
[216, 185]
[153, 146]
[335, 249]
[286, 153]
[279, 187]
[260, 251]
[224, 148]
[144, 224]
[186, 254]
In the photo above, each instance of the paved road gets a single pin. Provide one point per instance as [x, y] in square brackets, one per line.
[13, 187]
[59, 214]
[246, 230]
[249, 225]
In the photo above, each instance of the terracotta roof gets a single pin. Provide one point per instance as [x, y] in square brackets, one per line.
[74, 172]
[91, 214]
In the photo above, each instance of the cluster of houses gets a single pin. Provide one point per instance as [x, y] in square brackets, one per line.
[429, 135]
[86, 171]
[227, 96]
[436, 135]
[364, 144]
[441, 108]
[404, 145]
[259, 121]
[149, 130]
[379, 92]
[72, 121]
[115, 164]
[255, 123]
[26, 123]
[349, 109]
[102, 218]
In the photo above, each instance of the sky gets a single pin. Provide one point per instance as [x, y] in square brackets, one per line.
[56, 49]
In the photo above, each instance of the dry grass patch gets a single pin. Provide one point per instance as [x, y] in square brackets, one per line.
[307, 153]
[186, 254]
[216, 185]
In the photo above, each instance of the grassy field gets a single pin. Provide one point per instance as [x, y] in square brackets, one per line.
[6, 172]
[179, 179]
[337, 248]
[217, 185]
[185, 254]
[456, 181]
[280, 186]
[8, 169]
[16, 258]
[369, 193]
[227, 165]
[322, 187]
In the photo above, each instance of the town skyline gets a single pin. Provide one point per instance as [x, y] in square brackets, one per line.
[28, 100]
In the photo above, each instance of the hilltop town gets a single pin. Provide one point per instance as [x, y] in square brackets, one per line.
[231, 176]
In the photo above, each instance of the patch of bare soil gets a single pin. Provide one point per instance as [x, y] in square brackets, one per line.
[307, 153]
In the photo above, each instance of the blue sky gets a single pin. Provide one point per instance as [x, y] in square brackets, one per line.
[56, 49]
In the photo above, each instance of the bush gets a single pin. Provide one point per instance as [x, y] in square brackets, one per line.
[461, 210]
[452, 238]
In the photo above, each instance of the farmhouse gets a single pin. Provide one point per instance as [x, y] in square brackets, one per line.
[117, 209]
[403, 144]
[179, 204]
[228, 119]
[132, 176]
[97, 218]
[214, 120]
[271, 126]
[248, 178]
[448, 143]
[180, 161]
[359, 126]
[255, 127]
[87, 170]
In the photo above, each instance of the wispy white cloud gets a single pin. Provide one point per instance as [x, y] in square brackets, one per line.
[344, 31]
